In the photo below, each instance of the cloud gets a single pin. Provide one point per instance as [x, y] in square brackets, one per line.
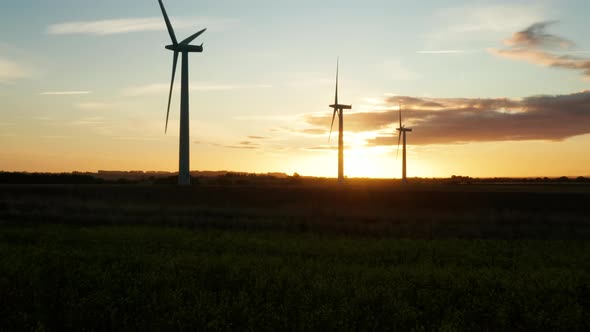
[197, 87]
[322, 148]
[355, 122]
[489, 18]
[442, 52]
[64, 93]
[11, 71]
[532, 45]
[93, 120]
[240, 147]
[535, 36]
[247, 145]
[314, 131]
[94, 106]
[271, 118]
[548, 59]
[137, 138]
[129, 25]
[258, 137]
[396, 70]
[42, 118]
[462, 120]
[478, 24]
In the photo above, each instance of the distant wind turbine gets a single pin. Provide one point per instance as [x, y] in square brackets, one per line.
[402, 132]
[184, 177]
[339, 108]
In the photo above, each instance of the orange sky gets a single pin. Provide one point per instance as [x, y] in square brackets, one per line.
[490, 89]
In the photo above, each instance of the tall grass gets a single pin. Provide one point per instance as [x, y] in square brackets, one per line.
[159, 278]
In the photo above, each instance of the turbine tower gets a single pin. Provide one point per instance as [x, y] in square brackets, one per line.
[184, 177]
[402, 132]
[339, 108]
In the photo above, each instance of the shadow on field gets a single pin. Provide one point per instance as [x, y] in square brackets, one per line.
[559, 212]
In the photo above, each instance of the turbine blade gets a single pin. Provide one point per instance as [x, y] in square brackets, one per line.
[398, 141]
[400, 115]
[191, 38]
[336, 95]
[171, 86]
[168, 25]
[332, 126]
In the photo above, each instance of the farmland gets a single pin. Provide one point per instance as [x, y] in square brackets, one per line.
[301, 257]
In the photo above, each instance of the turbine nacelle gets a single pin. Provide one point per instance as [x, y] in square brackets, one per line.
[341, 107]
[185, 48]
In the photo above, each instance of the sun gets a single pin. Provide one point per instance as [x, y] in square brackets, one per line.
[368, 163]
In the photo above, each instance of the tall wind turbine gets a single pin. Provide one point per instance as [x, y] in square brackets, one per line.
[402, 132]
[339, 108]
[184, 177]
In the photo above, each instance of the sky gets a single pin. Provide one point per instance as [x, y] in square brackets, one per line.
[490, 88]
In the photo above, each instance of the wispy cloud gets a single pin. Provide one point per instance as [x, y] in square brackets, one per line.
[474, 18]
[535, 37]
[533, 45]
[11, 71]
[92, 120]
[311, 82]
[244, 145]
[94, 106]
[42, 118]
[548, 59]
[323, 148]
[396, 70]
[461, 120]
[479, 24]
[314, 131]
[138, 138]
[197, 86]
[129, 25]
[442, 52]
[271, 118]
[64, 93]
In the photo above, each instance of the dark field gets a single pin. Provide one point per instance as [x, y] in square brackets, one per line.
[369, 256]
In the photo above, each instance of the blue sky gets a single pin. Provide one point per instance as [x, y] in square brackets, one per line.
[266, 65]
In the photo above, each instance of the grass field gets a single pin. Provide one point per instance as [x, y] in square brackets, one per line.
[300, 258]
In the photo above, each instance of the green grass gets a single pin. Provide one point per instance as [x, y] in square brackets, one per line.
[160, 278]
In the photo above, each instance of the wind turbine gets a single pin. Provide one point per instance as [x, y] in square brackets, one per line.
[402, 132]
[184, 177]
[339, 108]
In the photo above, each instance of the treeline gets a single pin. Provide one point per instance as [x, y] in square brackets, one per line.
[48, 178]
[223, 178]
[457, 179]
[239, 178]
